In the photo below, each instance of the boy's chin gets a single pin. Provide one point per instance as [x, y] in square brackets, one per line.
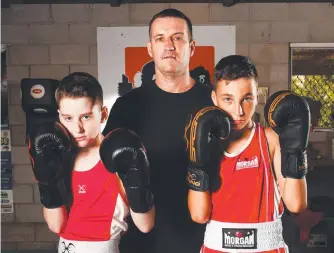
[82, 144]
[238, 127]
[241, 127]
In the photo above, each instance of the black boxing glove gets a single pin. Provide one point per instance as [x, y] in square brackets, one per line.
[123, 152]
[289, 116]
[49, 148]
[203, 134]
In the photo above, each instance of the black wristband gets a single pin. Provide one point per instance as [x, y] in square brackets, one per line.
[50, 195]
[198, 180]
[141, 199]
[294, 165]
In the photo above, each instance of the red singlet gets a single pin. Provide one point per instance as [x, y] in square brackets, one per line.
[98, 212]
[249, 192]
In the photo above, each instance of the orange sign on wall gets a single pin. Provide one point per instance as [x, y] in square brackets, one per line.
[138, 62]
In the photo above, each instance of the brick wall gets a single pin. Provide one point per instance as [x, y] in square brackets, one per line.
[54, 40]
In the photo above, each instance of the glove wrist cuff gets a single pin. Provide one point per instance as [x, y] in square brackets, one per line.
[294, 165]
[141, 199]
[50, 195]
[198, 180]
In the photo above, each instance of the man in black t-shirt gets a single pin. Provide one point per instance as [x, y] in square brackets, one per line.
[158, 112]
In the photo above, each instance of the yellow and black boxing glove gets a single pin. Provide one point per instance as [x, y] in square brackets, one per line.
[289, 116]
[203, 133]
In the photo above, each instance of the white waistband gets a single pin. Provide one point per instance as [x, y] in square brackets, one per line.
[244, 237]
[69, 246]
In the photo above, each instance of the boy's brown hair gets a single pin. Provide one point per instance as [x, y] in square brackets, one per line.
[233, 67]
[78, 85]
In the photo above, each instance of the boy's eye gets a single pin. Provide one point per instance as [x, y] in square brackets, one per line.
[68, 118]
[86, 117]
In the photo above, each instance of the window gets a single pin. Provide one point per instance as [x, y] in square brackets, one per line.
[312, 76]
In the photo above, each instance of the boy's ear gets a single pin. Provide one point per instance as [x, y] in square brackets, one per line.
[214, 97]
[104, 114]
[257, 97]
[58, 114]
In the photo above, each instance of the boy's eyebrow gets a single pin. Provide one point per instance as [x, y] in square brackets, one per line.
[226, 94]
[86, 113]
[64, 114]
[230, 95]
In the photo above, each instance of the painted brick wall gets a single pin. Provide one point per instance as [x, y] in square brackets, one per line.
[50, 41]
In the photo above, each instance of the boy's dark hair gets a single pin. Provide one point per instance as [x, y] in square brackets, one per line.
[78, 85]
[173, 13]
[233, 67]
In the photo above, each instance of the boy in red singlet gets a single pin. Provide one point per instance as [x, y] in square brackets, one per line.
[260, 167]
[97, 217]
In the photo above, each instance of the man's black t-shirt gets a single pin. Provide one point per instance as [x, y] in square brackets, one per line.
[159, 118]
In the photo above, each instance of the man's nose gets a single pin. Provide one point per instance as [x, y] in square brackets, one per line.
[169, 44]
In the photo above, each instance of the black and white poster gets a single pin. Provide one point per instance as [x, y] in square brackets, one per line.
[6, 156]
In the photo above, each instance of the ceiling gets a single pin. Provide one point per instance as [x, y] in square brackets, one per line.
[7, 3]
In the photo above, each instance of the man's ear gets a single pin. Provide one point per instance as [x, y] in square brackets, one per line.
[104, 114]
[214, 97]
[149, 49]
[192, 48]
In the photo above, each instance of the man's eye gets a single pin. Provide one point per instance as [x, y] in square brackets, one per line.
[159, 39]
[86, 117]
[227, 100]
[68, 118]
[248, 99]
[177, 38]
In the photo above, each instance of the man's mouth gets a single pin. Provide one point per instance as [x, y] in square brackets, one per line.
[169, 57]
